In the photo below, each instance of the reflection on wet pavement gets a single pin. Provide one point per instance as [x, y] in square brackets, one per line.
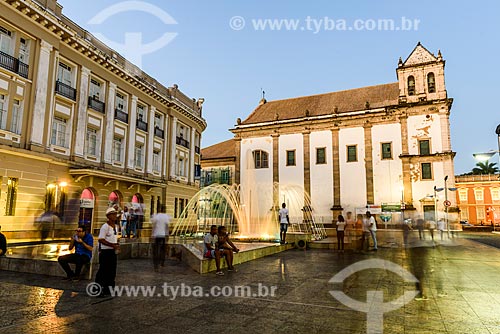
[458, 280]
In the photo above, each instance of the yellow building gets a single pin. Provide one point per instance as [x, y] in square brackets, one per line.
[82, 128]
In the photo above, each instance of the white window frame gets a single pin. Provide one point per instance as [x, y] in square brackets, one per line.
[24, 50]
[139, 156]
[159, 121]
[464, 213]
[120, 97]
[95, 89]
[479, 194]
[157, 161]
[6, 41]
[65, 73]
[117, 151]
[480, 213]
[17, 116]
[92, 142]
[462, 195]
[3, 111]
[495, 194]
[142, 113]
[59, 132]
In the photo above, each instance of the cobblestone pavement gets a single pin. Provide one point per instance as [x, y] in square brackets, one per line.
[459, 280]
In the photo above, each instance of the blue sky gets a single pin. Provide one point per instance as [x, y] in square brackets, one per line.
[207, 58]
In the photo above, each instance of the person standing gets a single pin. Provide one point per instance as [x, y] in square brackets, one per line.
[441, 226]
[124, 221]
[160, 237]
[341, 224]
[372, 226]
[284, 222]
[420, 228]
[432, 227]
[83, 243]
[132, 223]
[108, 246]
[3, 243]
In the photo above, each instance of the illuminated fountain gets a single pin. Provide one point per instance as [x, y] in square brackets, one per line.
[248, 215]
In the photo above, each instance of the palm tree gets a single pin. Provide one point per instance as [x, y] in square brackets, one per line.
[485, 168]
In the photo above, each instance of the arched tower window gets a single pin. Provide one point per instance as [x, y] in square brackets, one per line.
[261, 159]
[411, 85]
[431, 83]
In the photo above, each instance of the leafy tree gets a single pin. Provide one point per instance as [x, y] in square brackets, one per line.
[485, 168]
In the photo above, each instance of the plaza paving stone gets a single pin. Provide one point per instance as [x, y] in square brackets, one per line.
[459, 278]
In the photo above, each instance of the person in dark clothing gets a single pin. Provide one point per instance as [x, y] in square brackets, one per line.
[108, 247]
[3, 243]
[83, 244]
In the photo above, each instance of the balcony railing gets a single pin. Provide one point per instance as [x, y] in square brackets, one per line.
[197, 149]
[181, 141]
[159, 132]
[141, 125]
[65, 90]
[121, 116]
[13, 64]
[96, 104]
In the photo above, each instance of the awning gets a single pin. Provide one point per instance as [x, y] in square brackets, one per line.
[79, 174]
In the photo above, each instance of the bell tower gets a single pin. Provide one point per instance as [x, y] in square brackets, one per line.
[421, 76]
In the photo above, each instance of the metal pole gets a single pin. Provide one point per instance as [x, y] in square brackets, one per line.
[446, 207]
[435, 205]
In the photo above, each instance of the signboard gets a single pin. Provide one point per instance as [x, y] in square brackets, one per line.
[374, 210]
[447, 203]
[391, 207]
[87, 203]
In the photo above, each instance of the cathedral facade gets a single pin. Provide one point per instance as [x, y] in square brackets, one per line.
[383, 147]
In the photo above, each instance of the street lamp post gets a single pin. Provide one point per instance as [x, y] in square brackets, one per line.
[488, 155]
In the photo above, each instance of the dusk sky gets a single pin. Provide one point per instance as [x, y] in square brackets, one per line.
[328, 46]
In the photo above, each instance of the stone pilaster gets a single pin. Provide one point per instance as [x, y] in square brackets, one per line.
[81, 121]
[191, 156]
[165, 153]
[276, 171]
[370, 195]
[336, 208]
[150, 140]
[237, 163]
[110, 122]
[40, 105]
[132, 120]
[173, 148]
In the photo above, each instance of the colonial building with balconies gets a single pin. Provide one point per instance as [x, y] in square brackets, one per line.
[82, 128]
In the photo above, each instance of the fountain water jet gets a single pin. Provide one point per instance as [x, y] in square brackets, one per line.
[247, 215]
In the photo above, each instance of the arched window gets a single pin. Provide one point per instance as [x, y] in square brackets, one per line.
[411, 85]
[260, 159]
[431, 83]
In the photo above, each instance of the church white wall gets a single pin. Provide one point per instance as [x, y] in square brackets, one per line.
[291, 176]
[387, 173]
[423, 127]
[256, 184]
[352, 174]
[322, 174]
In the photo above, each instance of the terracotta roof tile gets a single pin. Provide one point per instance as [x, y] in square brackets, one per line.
[325, 104]
[225, 149]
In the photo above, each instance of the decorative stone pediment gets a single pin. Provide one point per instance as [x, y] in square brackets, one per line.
[419, 55]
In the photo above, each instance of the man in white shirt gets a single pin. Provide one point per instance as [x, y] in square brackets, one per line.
[108, 246]
[160, 236]
[372, 226]
[284, 222]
